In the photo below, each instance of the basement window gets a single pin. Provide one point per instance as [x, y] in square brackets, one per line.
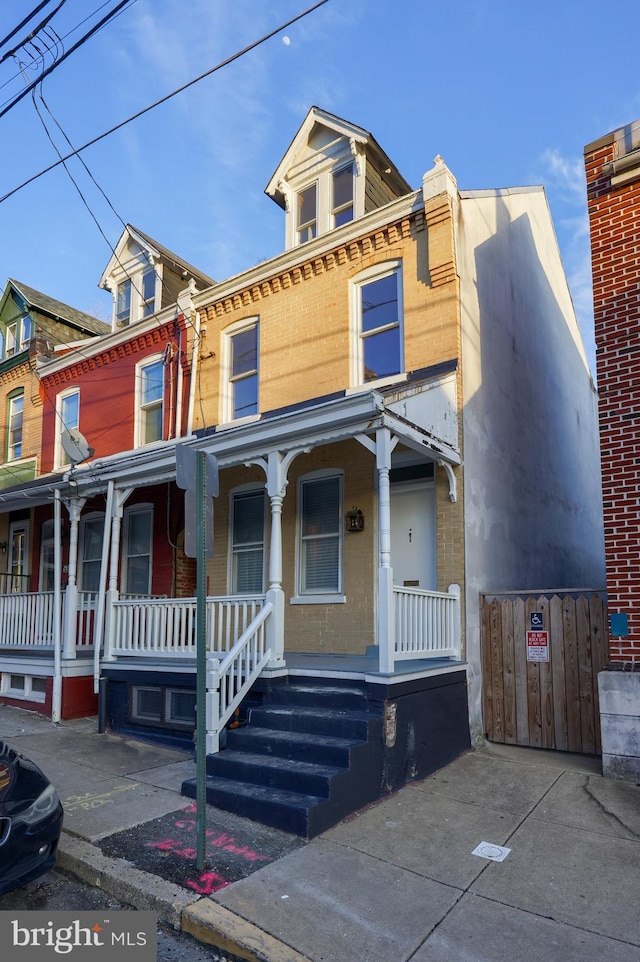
[24, 687]
[163, 706]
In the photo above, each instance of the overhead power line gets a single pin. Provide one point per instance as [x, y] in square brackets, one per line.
[162, 100]
[63, 57]
[26, 20]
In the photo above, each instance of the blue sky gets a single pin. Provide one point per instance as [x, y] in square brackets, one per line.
[508, 93]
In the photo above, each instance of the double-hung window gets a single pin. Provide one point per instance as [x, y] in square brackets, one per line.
[12, 339]
[242, 349]
[342, 201]
[307, 214]
[247, 542]
[138, 532]
[15, 415]
[377, 305]
[149, 401]
[68, 416]
[148, 292]
[320, 537]
[91, 535]
[123, 304]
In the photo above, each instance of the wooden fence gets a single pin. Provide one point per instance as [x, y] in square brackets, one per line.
[544, 704]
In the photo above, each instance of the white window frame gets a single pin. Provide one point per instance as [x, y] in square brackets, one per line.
[303, 597]
[338, 169]
[84, 521]
[61, 459]
[120, 320]
[132, 273]
[307, 225]
[19, 567]
[25, 332]
[245, 489]
[26, 692]
[126, 554]
[228, 381]
[11, 339]
[10, 449]
[139, 439]
[356, 285]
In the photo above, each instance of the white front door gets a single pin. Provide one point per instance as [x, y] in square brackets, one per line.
[413, 535]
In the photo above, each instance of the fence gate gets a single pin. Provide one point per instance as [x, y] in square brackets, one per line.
[527, 699]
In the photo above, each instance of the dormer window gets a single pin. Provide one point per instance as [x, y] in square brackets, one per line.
[343, 184]
[123, 304]
[307, 214]
[148, 292]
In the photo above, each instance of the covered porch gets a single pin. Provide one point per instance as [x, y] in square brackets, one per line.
[416, 631]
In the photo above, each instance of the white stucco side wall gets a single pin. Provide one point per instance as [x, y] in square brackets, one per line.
[532, 490]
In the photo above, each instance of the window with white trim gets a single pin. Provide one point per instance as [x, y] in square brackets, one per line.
[241, 347]
[378, 323]
[137, 550]
[148, 305]
[247, 541]
[15, 416]
[18, 561]
[342, 195]
[47, 557]
[91, 535]
[123, 303]
[11, 340]
[320, 535]
[67, 416]
[307, 213]
[150, 401]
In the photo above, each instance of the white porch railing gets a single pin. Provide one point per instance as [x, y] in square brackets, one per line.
[167, 626]
[230, 678]
[85, 618]
[427, 623]
[26, 620]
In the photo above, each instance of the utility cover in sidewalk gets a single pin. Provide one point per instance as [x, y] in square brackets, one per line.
[497, 853]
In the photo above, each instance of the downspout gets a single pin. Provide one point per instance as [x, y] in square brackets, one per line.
[179, 380]
[194, 372]
[56, 701]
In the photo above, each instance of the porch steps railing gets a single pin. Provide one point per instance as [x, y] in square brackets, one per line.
[427, 623]
[230, 678]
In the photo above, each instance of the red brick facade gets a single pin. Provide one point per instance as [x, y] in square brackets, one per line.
[614, 214]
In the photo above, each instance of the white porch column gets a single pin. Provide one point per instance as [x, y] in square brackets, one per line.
[74, 507]
[276, 468]
[386, 616]
[112, 594]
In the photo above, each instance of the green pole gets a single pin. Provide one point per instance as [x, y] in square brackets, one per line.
[201, 659]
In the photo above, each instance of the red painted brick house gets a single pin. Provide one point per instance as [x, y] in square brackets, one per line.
[613, 184]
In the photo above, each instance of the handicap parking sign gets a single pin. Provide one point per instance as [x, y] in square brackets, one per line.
[536, 621]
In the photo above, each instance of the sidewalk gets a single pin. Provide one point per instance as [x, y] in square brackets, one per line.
[396, 882]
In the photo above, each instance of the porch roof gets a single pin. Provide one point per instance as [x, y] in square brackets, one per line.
[422, 413]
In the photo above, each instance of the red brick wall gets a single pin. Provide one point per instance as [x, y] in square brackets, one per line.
[614, 215]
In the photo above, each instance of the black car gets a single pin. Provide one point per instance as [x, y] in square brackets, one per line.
[30, 820]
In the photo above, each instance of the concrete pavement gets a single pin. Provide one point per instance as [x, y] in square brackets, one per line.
[398, 881]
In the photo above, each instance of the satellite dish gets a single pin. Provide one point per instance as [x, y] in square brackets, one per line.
[75, 446]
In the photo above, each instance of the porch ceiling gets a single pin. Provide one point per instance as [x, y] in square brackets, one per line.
[422, 418]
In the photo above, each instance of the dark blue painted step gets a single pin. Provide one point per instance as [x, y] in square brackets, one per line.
[333, 697]
[274, 772]
[304, 746]
[312, 721]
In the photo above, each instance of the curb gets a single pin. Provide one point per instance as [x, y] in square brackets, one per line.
[201, 918]
[209, 922]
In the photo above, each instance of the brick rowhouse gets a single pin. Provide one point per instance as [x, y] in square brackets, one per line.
[612, 166]
[614, 214]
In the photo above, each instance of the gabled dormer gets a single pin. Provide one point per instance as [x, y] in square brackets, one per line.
[145, 277]
[332, 173]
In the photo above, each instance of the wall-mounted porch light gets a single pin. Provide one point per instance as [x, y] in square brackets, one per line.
[354, 520]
